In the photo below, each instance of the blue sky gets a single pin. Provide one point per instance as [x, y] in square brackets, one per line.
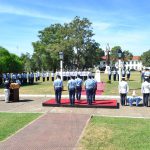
[117, 22]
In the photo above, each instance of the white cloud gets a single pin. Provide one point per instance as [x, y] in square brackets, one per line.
[27, 12]
[101, 26]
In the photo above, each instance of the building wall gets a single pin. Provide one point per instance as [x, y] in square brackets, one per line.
[132, 64]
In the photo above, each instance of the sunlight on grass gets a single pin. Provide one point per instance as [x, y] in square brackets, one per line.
[103, 133]
[11, 122]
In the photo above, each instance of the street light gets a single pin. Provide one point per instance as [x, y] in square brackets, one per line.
[107, 54]
[61, 56]
[107, 51]
[119, 58]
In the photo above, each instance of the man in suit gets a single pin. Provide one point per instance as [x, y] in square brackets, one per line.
[123, 90]
[58, 84]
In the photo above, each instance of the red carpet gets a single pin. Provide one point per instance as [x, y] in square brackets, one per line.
[100, 89]
[83, 103]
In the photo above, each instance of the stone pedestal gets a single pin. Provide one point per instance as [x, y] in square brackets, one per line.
[98, 76]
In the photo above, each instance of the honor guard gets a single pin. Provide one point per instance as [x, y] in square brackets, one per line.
[52, 76]
[114, 74]
[58, 84]
[71, 88]
[89, 87]
[95, 87]
[128, 74]
[43, 76]
[14, 77]
[78, 87]
[47, 75]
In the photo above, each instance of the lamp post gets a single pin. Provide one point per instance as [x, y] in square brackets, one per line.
[107, 54]
[107, 58]
[61, 56]
[119, 59]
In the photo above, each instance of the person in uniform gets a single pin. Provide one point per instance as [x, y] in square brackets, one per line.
[109, 74]
[32, 77]
[89, 87]
[58, 84]
[123, 73]
[95, 88]
[43, 76]
[7, 90]
[145, 90]
[52, 76]
[123, 90]
[114, 74]
[71, 88]
[47, 75]
[78, 87]
[128, 74]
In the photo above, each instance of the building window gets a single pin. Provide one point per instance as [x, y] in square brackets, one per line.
[132, 62]
[136, 62]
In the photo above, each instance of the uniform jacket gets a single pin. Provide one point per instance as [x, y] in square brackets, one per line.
[123, 87]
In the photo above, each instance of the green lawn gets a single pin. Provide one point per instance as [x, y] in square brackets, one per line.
[103, 133]
[11, 122]
[110, 89]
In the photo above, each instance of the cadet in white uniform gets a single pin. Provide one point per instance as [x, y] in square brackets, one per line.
[123, 90]
[145, 90]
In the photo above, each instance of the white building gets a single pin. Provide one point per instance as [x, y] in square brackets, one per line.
[135, 63]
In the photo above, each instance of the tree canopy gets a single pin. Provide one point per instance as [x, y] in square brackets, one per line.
[146, 58]
[75, 39]
[9, 62]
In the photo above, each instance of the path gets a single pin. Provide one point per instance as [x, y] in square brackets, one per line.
[50, 132]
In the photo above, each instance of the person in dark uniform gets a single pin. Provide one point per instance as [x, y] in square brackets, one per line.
[89, 87]
[71, 89]
[58, 84]
[78, 87]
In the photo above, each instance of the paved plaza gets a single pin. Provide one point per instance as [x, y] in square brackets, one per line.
[59, 128]
[34, 104]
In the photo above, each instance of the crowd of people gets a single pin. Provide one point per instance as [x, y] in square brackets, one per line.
[114, 72]
[31, 77]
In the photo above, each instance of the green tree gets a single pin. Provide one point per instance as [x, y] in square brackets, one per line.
[26, 59]
[145, 57]
[74, 39]
[9, 62]
[126, 55]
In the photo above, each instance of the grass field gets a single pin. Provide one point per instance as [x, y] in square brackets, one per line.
[110, 88]
[11, 122]
[103, 133]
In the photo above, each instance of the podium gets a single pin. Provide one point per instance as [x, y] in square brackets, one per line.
[14, 92]
[14, 95]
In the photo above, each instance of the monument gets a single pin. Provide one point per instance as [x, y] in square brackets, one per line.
[98, 76]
